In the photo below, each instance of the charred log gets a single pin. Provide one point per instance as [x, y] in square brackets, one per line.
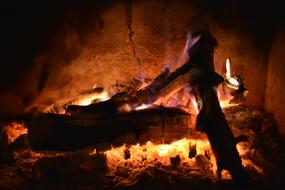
[211, 118]
[63, 132]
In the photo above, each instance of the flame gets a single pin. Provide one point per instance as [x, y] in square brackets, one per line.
[176, 99]
[181, 101]
[195, 104]
[103, 96]
[190, 41]
[13, 130]
[232, 81]
[228, 69]
[143, 106]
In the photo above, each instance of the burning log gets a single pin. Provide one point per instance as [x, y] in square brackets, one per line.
[164, 85]
[211, 118]
[105, 121]
[161, 87]
[64, 132]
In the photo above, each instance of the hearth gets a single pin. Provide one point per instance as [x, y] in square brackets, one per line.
[146, 95]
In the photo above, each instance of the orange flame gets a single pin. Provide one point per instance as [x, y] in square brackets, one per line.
[13, 130]
[90, 98]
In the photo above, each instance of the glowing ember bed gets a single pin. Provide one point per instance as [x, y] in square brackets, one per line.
[186, 163]
[186, 129]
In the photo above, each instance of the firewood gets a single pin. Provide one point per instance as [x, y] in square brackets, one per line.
[211, 118]
[104, 121]
[64, 132]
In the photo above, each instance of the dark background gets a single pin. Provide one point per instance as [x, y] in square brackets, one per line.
[27, 28]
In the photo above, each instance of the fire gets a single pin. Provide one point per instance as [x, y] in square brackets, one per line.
[13, 130]
[195, 104]
[143, 106]
[232, 82]
[175, 100]
[91, 98]
[142, 156]
[162, 153]
[183, 97]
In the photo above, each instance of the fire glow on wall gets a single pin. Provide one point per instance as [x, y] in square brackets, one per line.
[128, 94]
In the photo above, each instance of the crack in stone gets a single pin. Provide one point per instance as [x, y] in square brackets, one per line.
[131, 32]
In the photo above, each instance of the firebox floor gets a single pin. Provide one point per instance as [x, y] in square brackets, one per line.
[263, 158]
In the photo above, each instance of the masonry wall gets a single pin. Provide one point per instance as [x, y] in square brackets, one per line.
[275, 91]
[112, 42]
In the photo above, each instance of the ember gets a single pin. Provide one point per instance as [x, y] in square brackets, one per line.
[13, 130]
[161, 152]
[187, 159]
[143, 156]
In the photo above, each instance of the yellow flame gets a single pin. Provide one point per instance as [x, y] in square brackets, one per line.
[143, 106]
[234, 83]
[195, 104]
[228, 69]
[90, 98]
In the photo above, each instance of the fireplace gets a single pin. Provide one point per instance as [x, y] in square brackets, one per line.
[59, 130]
